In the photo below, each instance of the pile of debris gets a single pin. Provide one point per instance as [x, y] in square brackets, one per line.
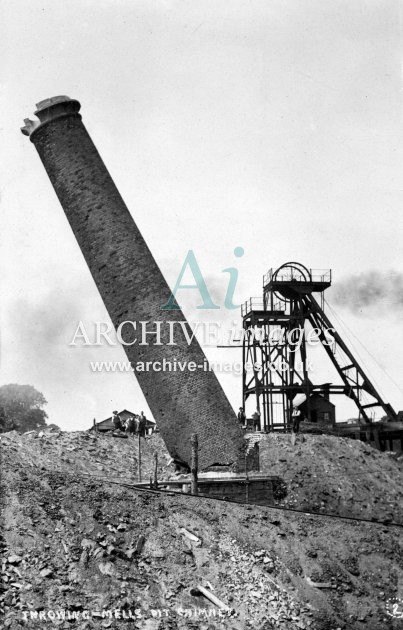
[331, 474]
[80, 552]
[93, 453]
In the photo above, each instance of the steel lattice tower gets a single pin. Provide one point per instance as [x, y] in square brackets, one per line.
[275, 329]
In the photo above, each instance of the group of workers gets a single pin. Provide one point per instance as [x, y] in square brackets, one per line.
[255, 419]
[136, 425]
[256, 424]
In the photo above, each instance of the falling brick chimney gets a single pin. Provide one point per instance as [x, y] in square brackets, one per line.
[133, 287]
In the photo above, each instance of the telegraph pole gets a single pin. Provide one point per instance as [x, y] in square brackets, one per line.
[194, 463]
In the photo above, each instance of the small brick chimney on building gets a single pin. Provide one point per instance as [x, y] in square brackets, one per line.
[133, 288]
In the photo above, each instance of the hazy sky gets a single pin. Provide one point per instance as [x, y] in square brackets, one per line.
[271, 125]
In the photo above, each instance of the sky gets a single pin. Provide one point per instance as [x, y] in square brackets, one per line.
[272, 126]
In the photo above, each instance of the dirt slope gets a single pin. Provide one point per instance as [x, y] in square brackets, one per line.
[76, 544]
[330, 474]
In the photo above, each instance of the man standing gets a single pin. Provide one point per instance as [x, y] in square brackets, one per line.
[117, 421]
[256, 420]
[296, 419]
[242, 417]
[142, 424]
[130, 425]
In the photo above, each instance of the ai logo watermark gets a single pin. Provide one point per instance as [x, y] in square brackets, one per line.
[200, 284]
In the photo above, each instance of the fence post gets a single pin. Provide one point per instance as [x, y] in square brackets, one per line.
[139, 460]
[245, 451]
[156, 471]
[194, 464]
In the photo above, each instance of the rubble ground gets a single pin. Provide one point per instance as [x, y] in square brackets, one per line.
[325, 473]
[73, 542]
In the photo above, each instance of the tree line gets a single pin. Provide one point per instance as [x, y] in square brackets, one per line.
[21, 408]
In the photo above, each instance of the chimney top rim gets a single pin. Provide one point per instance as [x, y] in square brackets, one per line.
[53, 100]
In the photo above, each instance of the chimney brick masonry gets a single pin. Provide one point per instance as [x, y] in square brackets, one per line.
[133, 287]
